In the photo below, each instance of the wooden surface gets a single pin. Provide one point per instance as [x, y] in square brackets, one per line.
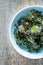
[8, 55]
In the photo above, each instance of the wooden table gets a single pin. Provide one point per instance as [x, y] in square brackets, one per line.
[8, 55]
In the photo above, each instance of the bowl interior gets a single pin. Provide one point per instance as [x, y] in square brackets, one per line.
[16, 18]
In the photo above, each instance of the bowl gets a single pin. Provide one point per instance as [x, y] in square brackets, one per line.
[20, 14]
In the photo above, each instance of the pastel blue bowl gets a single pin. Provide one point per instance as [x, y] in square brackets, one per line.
[20, 14]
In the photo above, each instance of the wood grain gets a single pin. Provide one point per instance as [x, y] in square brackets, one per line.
[8, 55]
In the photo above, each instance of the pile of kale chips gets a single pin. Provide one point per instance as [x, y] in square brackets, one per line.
[29, 31]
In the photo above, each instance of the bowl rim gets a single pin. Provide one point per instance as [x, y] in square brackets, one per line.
[18, 49]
